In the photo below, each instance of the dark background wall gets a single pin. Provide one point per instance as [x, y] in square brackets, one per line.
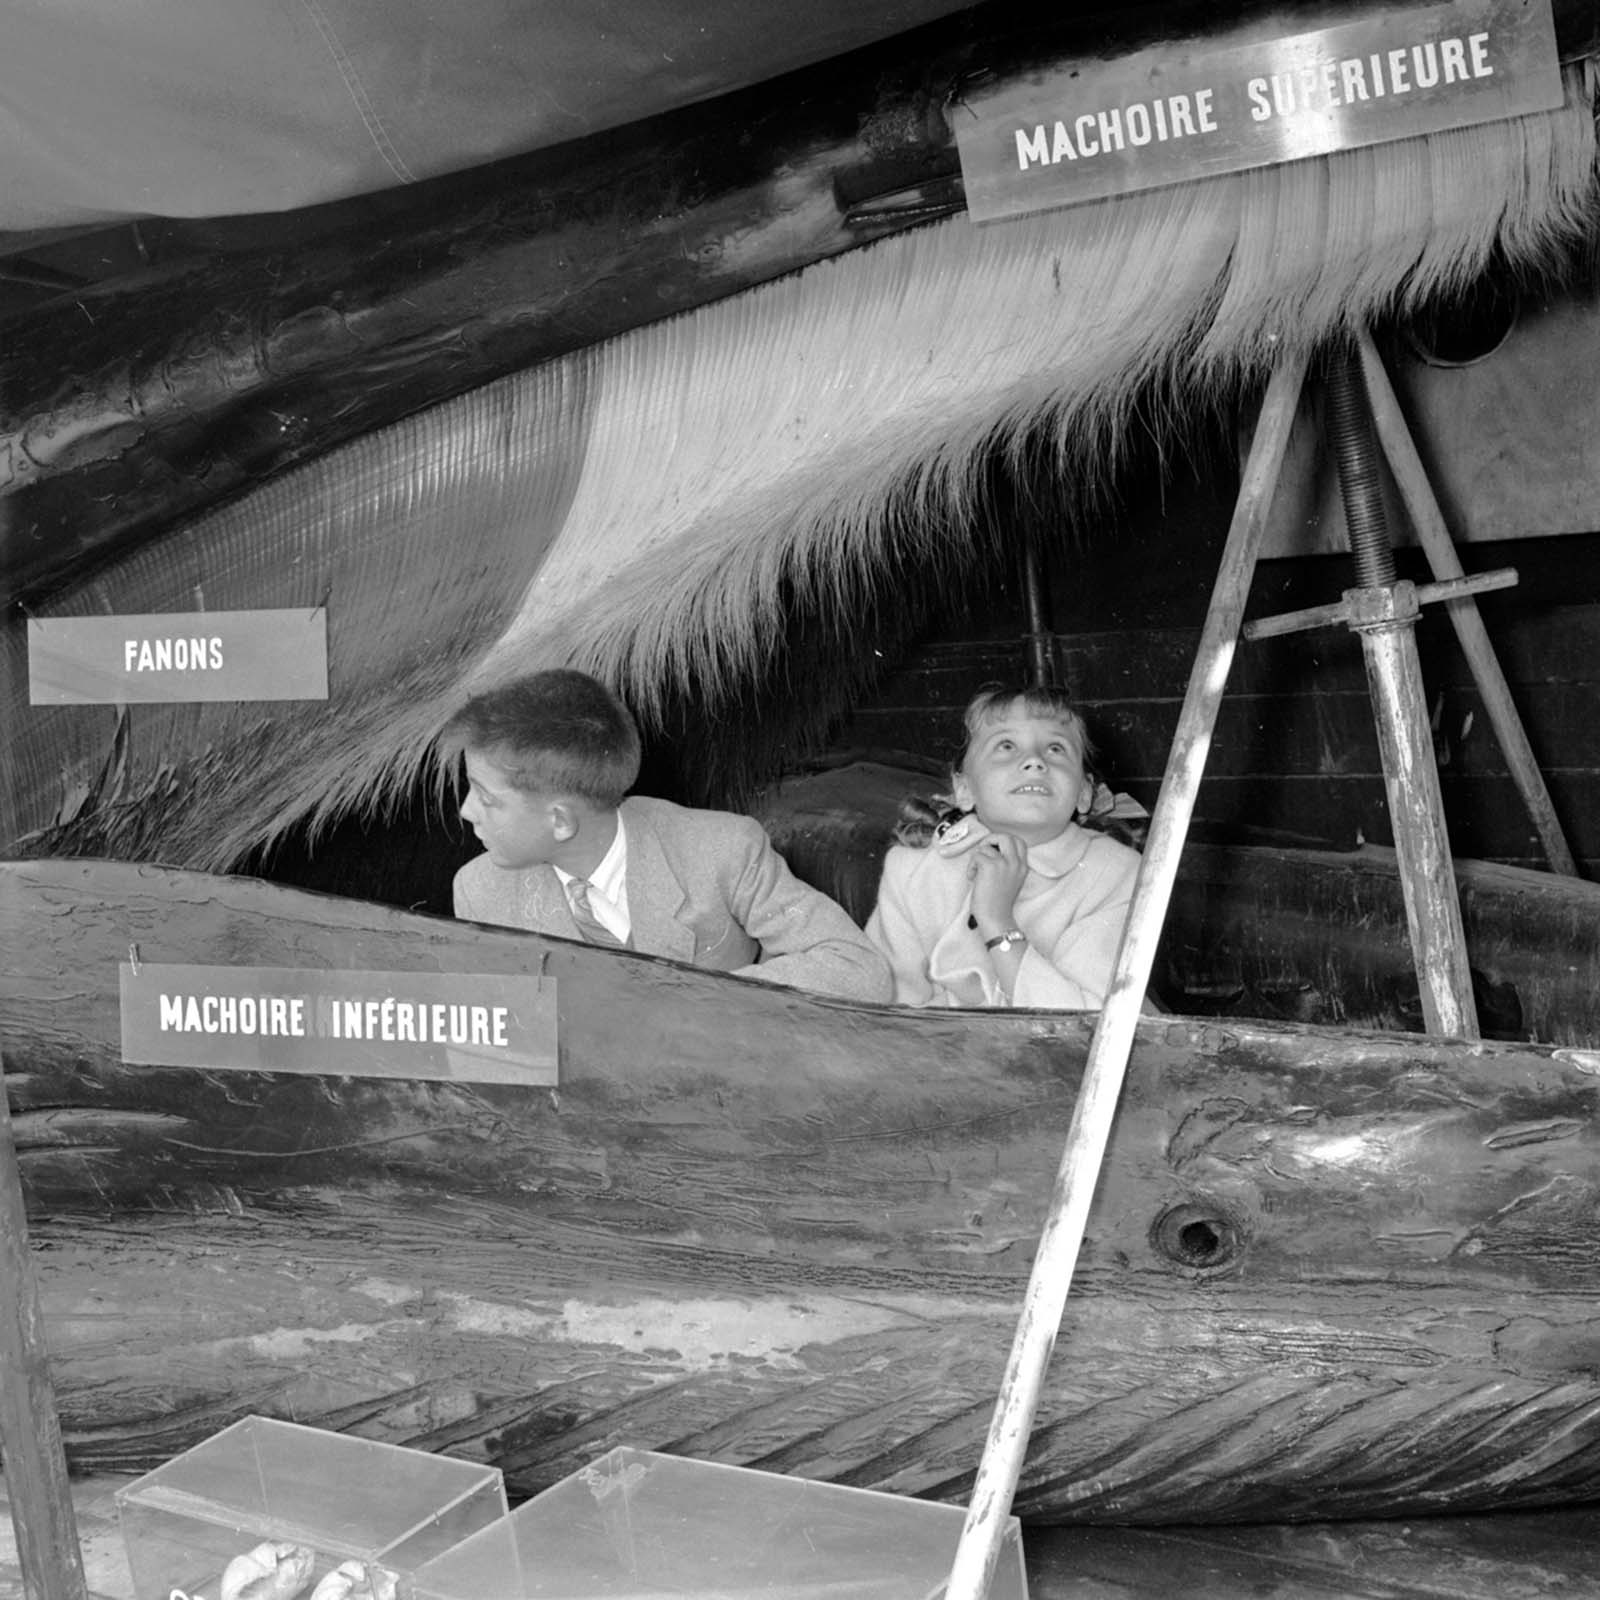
[1295, 756]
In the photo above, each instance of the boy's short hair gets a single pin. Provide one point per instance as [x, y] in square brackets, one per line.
[554, 732]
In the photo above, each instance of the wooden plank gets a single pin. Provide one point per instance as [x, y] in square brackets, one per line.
[1330, 734]
[30, 1432]
[1322, 937]
[1088, 1138]
[1333, 734]
[1546, 645]
[1486, 815]
[1136, 661]
[1251, 793]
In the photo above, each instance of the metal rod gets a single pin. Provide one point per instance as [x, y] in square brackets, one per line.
[30, 1432]
[1339, 610]
[1087, 1137]
[1354, 445]
[1041, 668]
[1422, 507]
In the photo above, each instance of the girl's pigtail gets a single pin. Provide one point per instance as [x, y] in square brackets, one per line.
[921, 817]
[1119, 816]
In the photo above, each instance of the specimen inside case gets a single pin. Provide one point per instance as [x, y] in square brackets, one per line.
[270, 1510]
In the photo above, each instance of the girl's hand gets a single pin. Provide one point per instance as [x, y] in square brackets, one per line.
[998, 865]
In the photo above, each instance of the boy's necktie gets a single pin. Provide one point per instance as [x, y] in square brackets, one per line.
[589, 925]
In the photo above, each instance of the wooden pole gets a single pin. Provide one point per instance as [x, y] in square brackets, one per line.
[1383, 611]
[1079, 1172]
[30, 1434]
[1416, 812]
[1422, 506]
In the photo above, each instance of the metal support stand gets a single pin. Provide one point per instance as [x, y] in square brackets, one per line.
[30, 1434]
[1383, 611]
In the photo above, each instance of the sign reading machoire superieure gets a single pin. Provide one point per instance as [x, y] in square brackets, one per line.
[470, 1027]
[178, 655]
[1193, 108]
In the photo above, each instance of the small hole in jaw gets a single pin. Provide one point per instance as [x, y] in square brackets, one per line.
[1199, 1236]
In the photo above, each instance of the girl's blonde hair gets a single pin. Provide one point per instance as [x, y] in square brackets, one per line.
[1038, 699]
[921, 816]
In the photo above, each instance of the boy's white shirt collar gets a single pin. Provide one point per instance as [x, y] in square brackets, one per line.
[608, 885]
[1055, 858]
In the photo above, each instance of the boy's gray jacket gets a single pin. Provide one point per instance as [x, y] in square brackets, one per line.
[705, 887]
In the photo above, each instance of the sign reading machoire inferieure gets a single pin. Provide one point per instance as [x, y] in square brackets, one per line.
[1192, 109]
[178, 655]
[470, 1027]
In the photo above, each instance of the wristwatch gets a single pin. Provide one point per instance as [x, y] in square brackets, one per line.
[1004, 941]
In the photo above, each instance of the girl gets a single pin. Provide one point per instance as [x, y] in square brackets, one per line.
[1011, 901]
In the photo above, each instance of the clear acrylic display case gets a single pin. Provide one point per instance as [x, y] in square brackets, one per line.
[636, 1524]
[262, 1481]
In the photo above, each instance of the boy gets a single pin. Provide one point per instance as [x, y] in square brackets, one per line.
[550, 758]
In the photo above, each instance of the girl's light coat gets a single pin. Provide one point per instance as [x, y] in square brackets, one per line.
[1073, 906]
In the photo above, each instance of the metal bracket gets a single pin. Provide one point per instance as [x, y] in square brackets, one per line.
[1377, 610]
